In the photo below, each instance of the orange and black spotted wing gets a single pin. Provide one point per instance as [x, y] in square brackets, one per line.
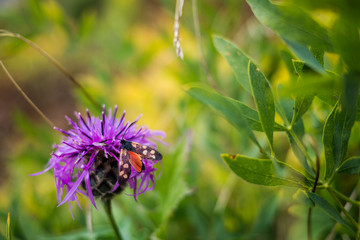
[124, 166]
[131, 154]
[136, 162]
[146, 152]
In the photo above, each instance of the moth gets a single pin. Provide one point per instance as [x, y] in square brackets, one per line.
[132, 154]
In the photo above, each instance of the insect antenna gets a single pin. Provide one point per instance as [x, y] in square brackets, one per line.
[123, 130]
[127, 128]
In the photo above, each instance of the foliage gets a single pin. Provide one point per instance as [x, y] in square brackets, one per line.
[308, 40]
[262, 139]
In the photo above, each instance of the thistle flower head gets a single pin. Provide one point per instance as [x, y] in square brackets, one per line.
[86, 161]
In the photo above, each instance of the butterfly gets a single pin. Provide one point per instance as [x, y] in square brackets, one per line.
[132, 154]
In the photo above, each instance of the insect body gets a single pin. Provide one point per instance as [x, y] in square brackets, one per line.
[132, 154]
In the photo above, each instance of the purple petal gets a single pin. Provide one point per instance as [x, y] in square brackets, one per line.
[73, 188]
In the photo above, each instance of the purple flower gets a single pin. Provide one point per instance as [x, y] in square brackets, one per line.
[86, 160]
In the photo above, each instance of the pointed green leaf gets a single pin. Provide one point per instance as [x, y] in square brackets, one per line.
[299, 130]
[237, 60]
[346, 39]
[347, 9]
[328, 142]
[264, 172]
[328, 208]
[207, 95]
[287, 104]
[338, 126]
[223, 105]
[302, 196]
[253, 117]
[350, 166]
[264, 100]
[302, 100]
[318, 54]
[345, 117]
[287, 58]
[292, 23]
[298, 66]
[343, 124]
[304, 54]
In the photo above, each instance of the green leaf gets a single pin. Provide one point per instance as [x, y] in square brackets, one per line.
[223, 105]
[292, 23]
[172, 186]
[264, 172]
[253, 117]
[264, 100]
[298, 66]
[338, 126]
[207, 95]
[8, 228]
[299, 130]
[303, 197]
[345, 117]
[287, 58]
[237, 60]
[344, 120]
[287, 104]
[318, 54]
[328, 142]
[350, 166]
[347, 42]
[264, 218]
[304, 54]
[312, 83]
[302, 100]
[328, 208]
[347, 9]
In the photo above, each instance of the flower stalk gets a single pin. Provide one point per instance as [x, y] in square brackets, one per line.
[107, 207]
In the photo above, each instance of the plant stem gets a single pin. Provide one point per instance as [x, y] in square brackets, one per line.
[107, 206]
[309, 224]
[347, 207]
[350, 218]
[313, 190]
[89, 222]
[300, 145]
[342, 196]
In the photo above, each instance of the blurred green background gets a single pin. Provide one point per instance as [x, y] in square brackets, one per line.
[122, 53]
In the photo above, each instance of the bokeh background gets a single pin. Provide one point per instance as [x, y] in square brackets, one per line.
[122, 53]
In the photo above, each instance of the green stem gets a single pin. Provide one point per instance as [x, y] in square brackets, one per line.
[349, 217]
[289, 127]
[300, 145]
[342, 196]
[280, 110]
[107, 206]
[313, 190]
[309, 224]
